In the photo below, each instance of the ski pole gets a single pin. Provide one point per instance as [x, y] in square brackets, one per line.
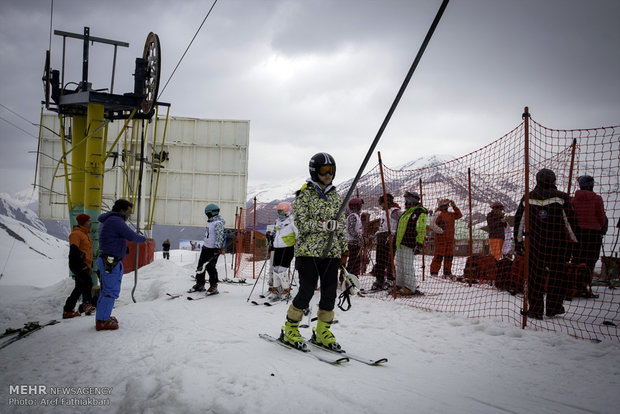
[225, 266]
[399, 95]
[257, 279]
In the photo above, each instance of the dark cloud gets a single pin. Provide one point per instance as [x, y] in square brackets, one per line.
[320, 75]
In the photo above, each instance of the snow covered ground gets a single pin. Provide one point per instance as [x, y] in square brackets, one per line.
[181, 356]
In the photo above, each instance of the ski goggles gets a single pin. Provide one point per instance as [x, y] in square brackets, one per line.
[325, 169]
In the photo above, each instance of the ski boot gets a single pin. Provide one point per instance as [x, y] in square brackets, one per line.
[322, 336]
[69, 315]
[212, 289]
[197, 288]
[377, 285]
[286, 294]
[109, 325]
[290, 335]
[274, 293]
[86, 308]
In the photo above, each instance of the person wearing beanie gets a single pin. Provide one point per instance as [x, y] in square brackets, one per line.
[410, 234]
[80, 264]
[390, 212]
[591, 224]
[549, 228]
[444, 226]
[497, 225]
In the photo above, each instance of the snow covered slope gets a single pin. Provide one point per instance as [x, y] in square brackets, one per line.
[30, 256]
[180, 356]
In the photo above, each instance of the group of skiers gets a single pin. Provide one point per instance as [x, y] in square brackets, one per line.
[308, 231]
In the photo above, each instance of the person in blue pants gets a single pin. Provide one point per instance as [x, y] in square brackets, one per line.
[113, 236]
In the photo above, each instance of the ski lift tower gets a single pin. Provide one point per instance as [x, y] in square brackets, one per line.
[91, 110]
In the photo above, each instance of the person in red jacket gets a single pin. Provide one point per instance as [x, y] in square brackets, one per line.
[591, 223]
[80, 263]
[443, 225]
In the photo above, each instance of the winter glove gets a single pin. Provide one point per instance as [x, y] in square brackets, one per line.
[269, 236]
[418, 248]
[327, 225]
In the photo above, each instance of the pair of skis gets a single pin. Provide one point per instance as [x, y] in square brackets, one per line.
[343, 356]
[178, 295]
[21, 333]
[270, 302]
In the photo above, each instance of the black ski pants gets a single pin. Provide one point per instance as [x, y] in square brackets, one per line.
[312, 270]
[588, 248]
[83, 287]
[546, 269]
[206, 263]
[355, 259]
[383, 266]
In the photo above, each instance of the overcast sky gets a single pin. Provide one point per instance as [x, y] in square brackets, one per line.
[320, 75]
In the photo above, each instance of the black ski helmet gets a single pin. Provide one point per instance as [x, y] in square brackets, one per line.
[319, 160]
[212, 210]
[545, 177]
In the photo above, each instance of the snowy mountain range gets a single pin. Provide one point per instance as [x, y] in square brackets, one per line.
[441, 177]
[20, 208]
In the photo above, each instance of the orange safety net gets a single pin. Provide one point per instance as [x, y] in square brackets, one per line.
[561, 276]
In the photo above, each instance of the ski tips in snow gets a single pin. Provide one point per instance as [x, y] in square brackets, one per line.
[174, 295]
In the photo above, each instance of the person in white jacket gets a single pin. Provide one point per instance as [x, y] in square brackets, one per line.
[282, 242]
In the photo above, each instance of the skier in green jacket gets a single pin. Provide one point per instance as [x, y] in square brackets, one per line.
[315, 207]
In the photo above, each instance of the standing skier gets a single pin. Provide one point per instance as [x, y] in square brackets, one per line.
[591, 223]
[80, 263]
[385, 256]
[497, 229]
[211, 250]
[355, 238]
[316, 205]
[444, 239]
[113, 236]
[283, 241]
[551, 221]
[410, 234]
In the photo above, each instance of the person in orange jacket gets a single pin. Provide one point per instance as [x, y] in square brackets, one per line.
[80, 263]
[443, 225]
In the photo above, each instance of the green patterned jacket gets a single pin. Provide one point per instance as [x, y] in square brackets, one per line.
[311, 206]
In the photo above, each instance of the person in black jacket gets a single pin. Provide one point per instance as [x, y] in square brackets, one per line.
[550, 230]
[166, 246]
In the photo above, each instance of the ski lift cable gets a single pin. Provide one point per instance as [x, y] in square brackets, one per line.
[188, 46]
[21, 129]
[16, 114]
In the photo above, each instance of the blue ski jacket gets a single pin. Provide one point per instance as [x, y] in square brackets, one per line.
[114, 233]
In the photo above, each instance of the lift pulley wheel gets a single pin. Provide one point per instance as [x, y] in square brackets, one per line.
[152, 55]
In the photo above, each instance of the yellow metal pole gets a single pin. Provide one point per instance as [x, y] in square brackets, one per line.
[154, 196]
[94, 168]
[64, 161]
[78, 157]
